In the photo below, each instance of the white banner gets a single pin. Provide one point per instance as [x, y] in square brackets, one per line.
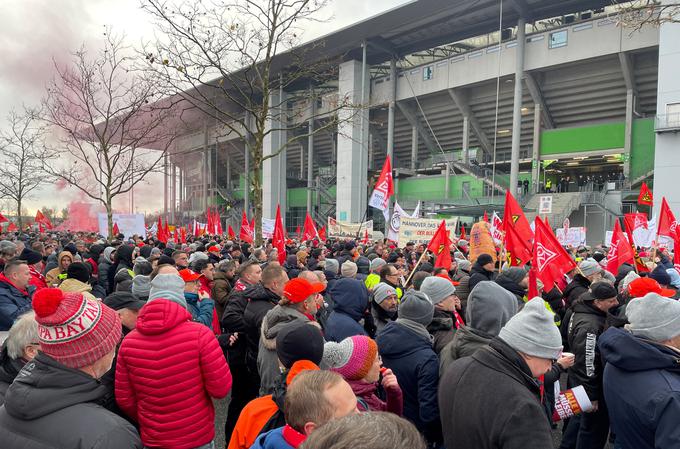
[421, 230]
[346, 230]
[128, 224]
[395, 221]
[268, 227]
[573, 236]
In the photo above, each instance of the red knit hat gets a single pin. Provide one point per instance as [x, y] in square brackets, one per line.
[73, 330]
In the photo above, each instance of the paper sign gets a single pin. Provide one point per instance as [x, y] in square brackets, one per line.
[128, 224]
[345, 230]
[573, 236]
[545, 205]
[421, 230]
[570, 402]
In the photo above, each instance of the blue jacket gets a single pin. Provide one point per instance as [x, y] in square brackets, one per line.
[271, 440]
[202, 312]
[13, 303]
[411, 357]
[350, 299]
[642, 390]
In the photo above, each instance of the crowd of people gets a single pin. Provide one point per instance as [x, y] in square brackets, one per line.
[126, 343]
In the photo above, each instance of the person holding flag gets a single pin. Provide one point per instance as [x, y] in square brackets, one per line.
[384, 189]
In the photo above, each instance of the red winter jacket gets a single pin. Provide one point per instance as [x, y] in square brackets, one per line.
[167, 371]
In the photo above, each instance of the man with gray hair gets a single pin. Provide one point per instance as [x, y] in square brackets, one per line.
[7, 251]
[641, 374]
[20, 348]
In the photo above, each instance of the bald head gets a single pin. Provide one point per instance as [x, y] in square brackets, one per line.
[308, 276]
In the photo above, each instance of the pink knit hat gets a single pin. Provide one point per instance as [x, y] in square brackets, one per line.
[73, 330]
[352, 358]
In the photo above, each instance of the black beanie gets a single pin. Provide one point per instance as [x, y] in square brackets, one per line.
[299, 342]
[79, 271]
[601, 290]
[484, 259]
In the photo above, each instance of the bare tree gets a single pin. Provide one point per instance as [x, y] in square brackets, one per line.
[224, 58]
[113, 129]
[23, 153]
[639, 13]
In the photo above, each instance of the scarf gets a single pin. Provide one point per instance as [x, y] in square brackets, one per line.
[292, 436]
[36, 273]
[415, 327]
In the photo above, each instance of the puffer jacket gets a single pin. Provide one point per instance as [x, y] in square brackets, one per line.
[104, 268]
[642, 390]
[201, 310]
[168, 370]
[9, 368]
[13, 302]
[267, 360]
[260, 301]
[410, 356]
[578, 286]
[52, 277]
[220, 291]
[479, 274]
[584, 328]
[52, 406]
[350, 298]
[74, 285]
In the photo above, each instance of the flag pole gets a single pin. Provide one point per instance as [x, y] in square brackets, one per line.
[415, 266]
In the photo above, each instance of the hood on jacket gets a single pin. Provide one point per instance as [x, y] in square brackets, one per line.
[124, 256]
[74, 285]
[159, 316]
[350, 297]
[275, 320]
[397, 341]
[629, 353]
[489, 307]
[259, 292]
[107, 253]
[64, 254]
[45, 386]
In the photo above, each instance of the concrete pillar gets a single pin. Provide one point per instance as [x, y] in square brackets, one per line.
[173, 194]
[165, 185]
[628, 136]
[414, 147]
[447, 184]
[536, 153]
[274, 168]
[666, 156]
[227, 167]
[466, 140]
[352, 144]
[390, 126]
[310, 156]
[182, 195]
[206, 173]
[517, 106]
[302, 161]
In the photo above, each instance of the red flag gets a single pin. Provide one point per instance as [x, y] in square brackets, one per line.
[116, 230]
[641, 267]
[160, 231]
[252, 230]
[3, 219]
[309, 231]
[667, 221]
[676, 251]
[209, 221]
[42, 219]
[550, 259]
[298, 232]
[533, 285]
[486, 217]
[230, 232]
[463, 236]
[322, 234]
[246, 234]
[513, 216]
[219, 223]
[12, 227]
[384, 187]
[518, 249]
[166, 230]
[278, 239]
[40, 228]
[620, 251]
[645, 198]
[635, 221]
[440, 245]
[365, 241]
[183, 234]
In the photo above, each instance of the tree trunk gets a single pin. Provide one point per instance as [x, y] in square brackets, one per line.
[109, 218]
[19, 220]
[257, 200]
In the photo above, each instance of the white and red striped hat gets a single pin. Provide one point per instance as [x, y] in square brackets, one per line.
[74, 330]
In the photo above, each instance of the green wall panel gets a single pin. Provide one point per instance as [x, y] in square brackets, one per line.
[587, 138]
[643, 145]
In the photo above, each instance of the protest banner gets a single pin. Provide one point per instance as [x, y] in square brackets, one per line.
[570, 403]
[572, 237]
[421, 230]
[268, 227]
[346, 230]
[481, 241]
[128, 224]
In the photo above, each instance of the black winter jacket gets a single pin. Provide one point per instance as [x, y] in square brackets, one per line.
[575, 289]
[52, 406]
[232, 322]
[491, 401]
[479, 274]
[9, 368]
[260, 301]
[442, 328]
[584, 328]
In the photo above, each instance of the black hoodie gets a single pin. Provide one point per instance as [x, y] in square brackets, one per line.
[52, 406]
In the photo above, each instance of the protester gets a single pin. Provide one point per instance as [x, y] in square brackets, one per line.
[446, 319]
[56, 275]
[35, 264]
[356, 360]
[298, 305]
[492, 398]
[313, 399]
[127, 306]
[370, 430]
[641, 374]
[181, 259]
[384, 305]
[482, 270]
[406, 348]
[350, 301]
[186, 359]
[223, 281]
[15, 292]
[349, 269]
[20, 347]
[516, 281]
[78, 280]
[55, 400]
[592, 272]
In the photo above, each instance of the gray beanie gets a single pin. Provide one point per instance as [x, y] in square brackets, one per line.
[141, 286]
[490, 307]
[437, 289]
[377, 263]
[516, 274]
[654, 317]
[155, 251]
[170, 287]
[349, 269]
[332, 265]
[590, 267]
[382, 291]
[630, 277]
[464, 265]
[533, 331]
[198, 255]
[416, 306]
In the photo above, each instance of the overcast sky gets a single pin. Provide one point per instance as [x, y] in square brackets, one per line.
[34, 32]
